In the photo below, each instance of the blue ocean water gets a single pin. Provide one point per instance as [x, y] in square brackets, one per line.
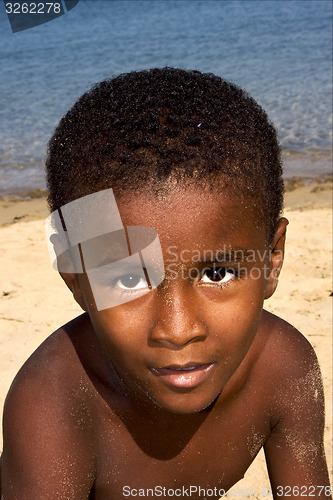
[280, 51]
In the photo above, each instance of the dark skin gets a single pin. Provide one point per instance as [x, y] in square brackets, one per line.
[92, 410]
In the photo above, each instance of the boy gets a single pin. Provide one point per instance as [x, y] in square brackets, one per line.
[166, 190]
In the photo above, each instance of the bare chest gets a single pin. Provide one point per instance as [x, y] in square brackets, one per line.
[200, 460]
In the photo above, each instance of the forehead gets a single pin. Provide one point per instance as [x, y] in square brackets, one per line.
[191, 217]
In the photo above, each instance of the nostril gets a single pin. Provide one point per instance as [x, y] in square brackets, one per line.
[177, 334]
[177, 318]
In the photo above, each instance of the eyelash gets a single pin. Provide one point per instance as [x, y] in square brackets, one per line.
[236, 276]
[128, 290]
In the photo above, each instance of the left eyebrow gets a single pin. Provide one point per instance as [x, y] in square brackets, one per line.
[232, 255]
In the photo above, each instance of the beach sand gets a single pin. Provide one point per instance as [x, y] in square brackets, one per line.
[34, 301]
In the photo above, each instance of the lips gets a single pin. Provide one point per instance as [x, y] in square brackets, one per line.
[186, 376]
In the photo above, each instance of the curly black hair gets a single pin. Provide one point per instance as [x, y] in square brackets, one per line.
[139, 129]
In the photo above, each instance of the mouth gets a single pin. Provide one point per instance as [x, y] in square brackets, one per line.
[186, 376]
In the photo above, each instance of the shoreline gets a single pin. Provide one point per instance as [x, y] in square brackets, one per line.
[300, 193]
[310, 164]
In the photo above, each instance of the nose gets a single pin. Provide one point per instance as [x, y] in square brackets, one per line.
[177, 319]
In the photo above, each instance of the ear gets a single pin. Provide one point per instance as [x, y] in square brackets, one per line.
[276, 257]
[72, 282]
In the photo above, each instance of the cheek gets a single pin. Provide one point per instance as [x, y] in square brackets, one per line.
[235, 315]
[123, 328]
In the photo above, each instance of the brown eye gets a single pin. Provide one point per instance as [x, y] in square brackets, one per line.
[217, 275]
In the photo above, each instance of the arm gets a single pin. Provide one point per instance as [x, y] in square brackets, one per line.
[294, 450]
[46, 455]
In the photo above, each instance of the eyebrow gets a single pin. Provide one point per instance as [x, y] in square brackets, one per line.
[232, 255]
[109, 259]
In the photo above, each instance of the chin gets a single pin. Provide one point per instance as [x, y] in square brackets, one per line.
[184, 404]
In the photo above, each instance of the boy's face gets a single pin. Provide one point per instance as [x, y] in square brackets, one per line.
[180, 344]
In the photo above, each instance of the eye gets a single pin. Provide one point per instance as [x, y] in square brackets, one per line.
[218, 275]
[131, 281]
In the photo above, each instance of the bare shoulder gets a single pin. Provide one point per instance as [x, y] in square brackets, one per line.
[46, 422]
[293, 386]
[286, 369]
[53, 370]
[286, 352]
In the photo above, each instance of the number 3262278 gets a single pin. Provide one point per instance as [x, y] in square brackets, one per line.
[33, 8]
[303, 491]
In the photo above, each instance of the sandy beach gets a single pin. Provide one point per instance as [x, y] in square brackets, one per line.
[34, 301]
